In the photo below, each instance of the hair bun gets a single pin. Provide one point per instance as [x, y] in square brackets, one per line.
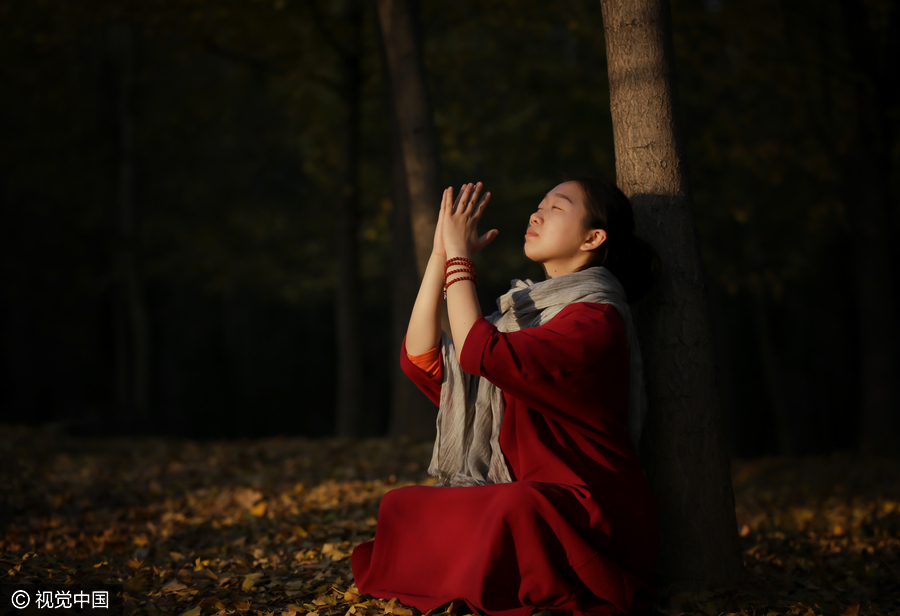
[632, 260]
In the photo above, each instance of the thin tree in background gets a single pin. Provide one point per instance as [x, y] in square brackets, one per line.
[131, 323]
[418, 165]
[683, 446]
[350, 420]
[418, 138]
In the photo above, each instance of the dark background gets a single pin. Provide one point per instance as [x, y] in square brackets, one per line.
[226, 117]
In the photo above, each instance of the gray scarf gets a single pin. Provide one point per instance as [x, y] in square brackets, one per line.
[467, 447]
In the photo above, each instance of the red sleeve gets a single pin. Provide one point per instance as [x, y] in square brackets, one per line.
[430, 384]
[574, 367]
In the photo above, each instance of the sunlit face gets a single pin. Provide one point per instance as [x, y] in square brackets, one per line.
[557, 237]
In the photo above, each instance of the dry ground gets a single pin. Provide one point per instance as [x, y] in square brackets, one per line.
[266, 527]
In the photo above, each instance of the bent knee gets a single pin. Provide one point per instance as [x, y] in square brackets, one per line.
[520, 496]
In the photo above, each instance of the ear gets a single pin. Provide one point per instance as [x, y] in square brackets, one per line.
[594, 240]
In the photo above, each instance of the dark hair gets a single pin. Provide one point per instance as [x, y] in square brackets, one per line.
[632, 260]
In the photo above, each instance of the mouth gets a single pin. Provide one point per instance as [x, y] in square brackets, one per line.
[530, 233]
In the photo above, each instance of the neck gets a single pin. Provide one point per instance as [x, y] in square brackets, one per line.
[555, 269]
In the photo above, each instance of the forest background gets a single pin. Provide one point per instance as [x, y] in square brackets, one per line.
[170, 174]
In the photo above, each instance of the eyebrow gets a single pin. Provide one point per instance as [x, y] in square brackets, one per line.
[559, 195]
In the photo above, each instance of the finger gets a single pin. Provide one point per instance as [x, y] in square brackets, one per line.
[473, 198]
[483, 203]
[464, 198]
[487, 238]
[462, 190]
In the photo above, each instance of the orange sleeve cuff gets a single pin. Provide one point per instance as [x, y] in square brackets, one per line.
[429, 361]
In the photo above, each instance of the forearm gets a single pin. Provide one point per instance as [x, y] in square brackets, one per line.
[462, 306]
[424, 331]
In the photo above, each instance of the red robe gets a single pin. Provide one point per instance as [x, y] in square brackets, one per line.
[575, 531]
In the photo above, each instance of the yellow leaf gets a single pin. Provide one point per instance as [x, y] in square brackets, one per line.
[852, 610]
[259, 510]
[194, 611]
[250, 581]
[134, 563]
[394, 607]
[174, 584]
[205, 573]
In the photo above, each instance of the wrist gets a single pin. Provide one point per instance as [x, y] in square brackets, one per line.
[458, 269]
[457, 252]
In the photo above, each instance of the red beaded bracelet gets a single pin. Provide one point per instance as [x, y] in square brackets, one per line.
[459, 271]
[459, 260]
[457, 280]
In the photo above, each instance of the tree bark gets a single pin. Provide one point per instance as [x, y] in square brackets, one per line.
[684, 453]
[415, 121]
[350, 419]
[411, 412]
[415, 169]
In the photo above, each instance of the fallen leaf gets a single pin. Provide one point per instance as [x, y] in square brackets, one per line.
[174, 585]
[211, 605]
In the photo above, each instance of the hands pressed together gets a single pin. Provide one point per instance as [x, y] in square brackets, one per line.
[456, 234]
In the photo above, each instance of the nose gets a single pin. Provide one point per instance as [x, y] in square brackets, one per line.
[534, 219]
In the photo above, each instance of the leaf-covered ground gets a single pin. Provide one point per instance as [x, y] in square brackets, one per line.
[266, 527]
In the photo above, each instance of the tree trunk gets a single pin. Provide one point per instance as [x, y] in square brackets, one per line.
[416, 191]
[132, 323]
[350, 419]
[415, 121]
[411, 413]
[684, 453]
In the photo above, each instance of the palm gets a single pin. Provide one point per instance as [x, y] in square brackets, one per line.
[438, 244]
[459, 220]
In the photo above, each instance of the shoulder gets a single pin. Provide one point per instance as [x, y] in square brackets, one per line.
[587, 317]
[585, 329]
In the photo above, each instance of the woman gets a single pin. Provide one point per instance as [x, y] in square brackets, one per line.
[539, 407]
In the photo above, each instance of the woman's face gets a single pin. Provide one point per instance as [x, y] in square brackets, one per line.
[556, 236]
